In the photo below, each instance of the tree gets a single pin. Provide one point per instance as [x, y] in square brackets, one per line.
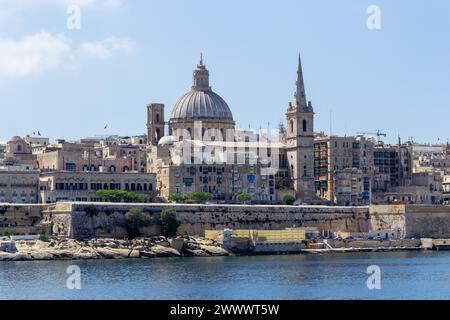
[169, 222]
[121, 196]
[244, 197]
[135, 220]
[289, 200]
[200, 197]
[179, 198]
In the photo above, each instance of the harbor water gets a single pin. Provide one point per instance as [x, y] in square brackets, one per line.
[404, 275]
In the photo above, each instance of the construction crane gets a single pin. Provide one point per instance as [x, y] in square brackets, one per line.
[379, 134]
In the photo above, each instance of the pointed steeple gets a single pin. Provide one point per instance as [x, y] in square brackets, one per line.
[299, 100]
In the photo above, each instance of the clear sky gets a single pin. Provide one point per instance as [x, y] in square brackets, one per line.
[71, 83]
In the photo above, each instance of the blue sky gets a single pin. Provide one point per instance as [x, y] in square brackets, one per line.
[128, 53]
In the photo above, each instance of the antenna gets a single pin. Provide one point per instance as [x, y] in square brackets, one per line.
[331, 122]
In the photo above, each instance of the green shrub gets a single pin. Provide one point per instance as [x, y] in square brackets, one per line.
[289, 200]
[244, 197]
[44, 238]
[179, 198]
[135, 220]
[9, 232]
[169, 223]
[121, 196]
[200, 197]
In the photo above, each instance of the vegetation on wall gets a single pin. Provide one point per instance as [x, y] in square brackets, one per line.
[179, 198]
[244, 197]
[120, 196]
[169, 223]
[289, 200]
[135, 220]
[8, 232]
[195, 197]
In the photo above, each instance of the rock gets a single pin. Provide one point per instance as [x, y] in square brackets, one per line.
[204, 242]
[161, 251]
[197, 253]
[22, 257]
[177, 244]
[134, 254]
[44, 256]
[108, 253]
[147, 254]
[41, 245]
[6, 256]
[63, 255]
[215, 251]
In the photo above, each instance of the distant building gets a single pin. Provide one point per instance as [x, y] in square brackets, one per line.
[19, 184]
[352, 187]
[83, 186]
[201, 120]
[90, 156]
[336, 154]
[18, 151]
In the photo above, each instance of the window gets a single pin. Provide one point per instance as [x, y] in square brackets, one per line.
[70, 167]
[305, 127]
[291, 125]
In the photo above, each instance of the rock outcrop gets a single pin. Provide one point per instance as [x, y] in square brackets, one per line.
[58, 249]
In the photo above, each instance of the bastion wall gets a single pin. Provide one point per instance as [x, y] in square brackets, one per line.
[101, 220]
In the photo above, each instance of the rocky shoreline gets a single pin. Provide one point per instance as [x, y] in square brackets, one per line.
[58, 249]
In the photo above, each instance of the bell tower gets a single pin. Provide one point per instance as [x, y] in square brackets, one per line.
[155, 123]
[300, 140]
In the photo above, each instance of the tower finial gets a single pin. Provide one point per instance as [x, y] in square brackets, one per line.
[201, 58]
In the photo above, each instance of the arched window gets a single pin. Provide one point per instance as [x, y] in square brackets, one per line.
[291, 125]
[157, 118]
[305, 126]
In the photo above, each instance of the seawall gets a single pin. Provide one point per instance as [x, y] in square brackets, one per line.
[105, 220]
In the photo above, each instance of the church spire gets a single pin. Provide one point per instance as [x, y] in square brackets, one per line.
[299, 95]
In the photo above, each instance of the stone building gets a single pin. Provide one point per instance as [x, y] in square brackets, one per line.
[18, 184]
[90, 156]
[83, 186]
[249, 161]
[215, 175]
[352, 187]
[334, 154]
[17, 152]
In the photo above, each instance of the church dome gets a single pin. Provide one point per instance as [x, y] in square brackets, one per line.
[201, 103]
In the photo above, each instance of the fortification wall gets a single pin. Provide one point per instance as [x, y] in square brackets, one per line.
[22, 219]
[107, 220]
[87, 220]
[427, 221]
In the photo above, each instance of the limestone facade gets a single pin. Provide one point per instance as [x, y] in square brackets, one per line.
[334, 154]
[82, 186]
[67, 156]
[18, 185]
